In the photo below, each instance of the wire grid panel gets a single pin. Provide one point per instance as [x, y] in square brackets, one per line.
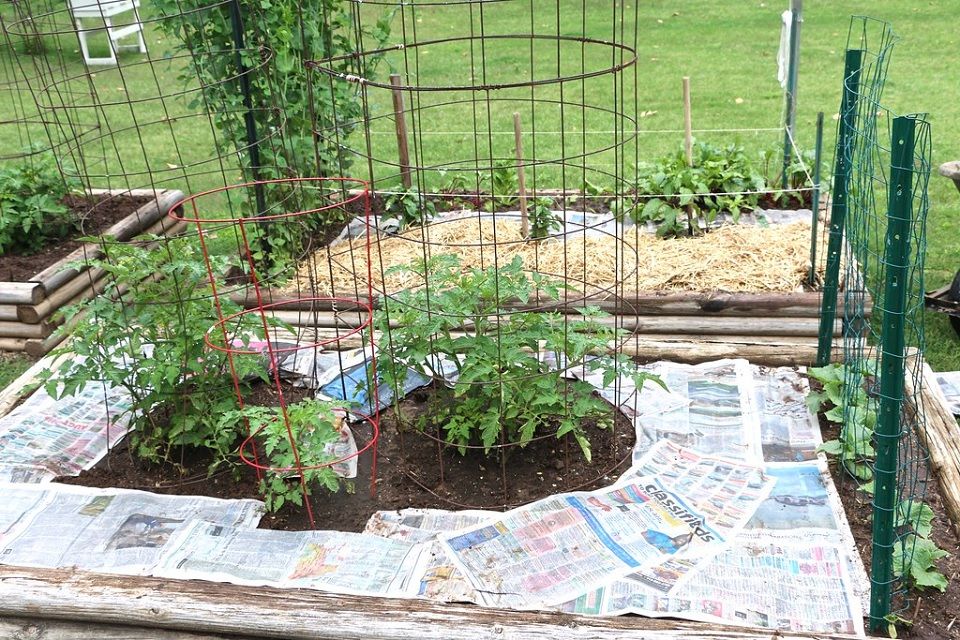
[880, 209]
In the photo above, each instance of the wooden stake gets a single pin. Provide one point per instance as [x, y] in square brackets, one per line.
[688, 142]
[687, 121]
[521, 177]
[400, 120]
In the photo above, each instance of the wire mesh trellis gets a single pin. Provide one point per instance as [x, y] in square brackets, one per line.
[877, 246]
[502, 263]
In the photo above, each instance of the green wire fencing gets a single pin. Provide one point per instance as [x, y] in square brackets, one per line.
[876, 251]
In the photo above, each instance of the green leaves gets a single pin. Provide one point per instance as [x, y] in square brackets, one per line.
[152, 345]
[914, 558]
[31, 204]
[314, 428]
[721, 179]
[506, 389]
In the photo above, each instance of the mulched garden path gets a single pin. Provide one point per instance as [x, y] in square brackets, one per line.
[96, 214]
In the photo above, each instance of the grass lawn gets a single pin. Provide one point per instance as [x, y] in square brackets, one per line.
[727, 48]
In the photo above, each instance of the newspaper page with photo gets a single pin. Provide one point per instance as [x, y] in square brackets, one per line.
[558, 548]
[110, 530]
[789, 432]
[335, 561]
[64, 436]
[435, 577]
[719, 417]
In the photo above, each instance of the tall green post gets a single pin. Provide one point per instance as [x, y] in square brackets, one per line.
[887, 433]
[815, 200]
[843, 170]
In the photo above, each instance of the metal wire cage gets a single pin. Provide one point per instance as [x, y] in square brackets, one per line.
[495, 185]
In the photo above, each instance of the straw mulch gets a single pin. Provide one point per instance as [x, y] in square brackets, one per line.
[732, 258]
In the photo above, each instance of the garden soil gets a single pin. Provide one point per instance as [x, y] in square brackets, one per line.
[95, 216]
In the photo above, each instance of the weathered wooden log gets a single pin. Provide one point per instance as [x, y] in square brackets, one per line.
[8, 312]
[133, 225]
[20, 293]
[37, 348]
[83, 281]
[940, 434]
[795, 305]
[666, 325]
[299, 614]
[13, 344]
[18, 628]
[83, 284]
[24, 330]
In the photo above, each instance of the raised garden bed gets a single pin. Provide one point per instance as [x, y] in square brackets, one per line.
[42, 284]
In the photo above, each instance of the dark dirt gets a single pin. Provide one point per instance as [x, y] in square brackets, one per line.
[408, 473]
[94, 215]
[934, 615]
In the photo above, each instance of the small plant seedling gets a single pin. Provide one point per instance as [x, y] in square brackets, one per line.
[543, 221]
[315, 428]
[504, 185]
[409, 208]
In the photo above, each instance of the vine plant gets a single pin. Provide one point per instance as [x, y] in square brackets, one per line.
[915, 552]
[288, 107]
[504, 386]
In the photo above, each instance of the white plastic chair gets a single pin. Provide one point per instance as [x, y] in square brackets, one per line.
[106, 11]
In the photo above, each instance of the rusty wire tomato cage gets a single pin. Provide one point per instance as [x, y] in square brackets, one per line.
[227, 334]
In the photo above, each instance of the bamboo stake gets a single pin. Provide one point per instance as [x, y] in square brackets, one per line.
[521, 176]
[400, 121]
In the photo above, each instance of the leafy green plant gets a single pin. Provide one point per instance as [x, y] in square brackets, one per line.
[543, 220]
[798, 174]
[456, 181]
[409, 208]
[308, 117]
[915, 553]
[914, 559]
[855, 414]
[315, 429]
[149, 340]
[503, 387]
[721, 179]
[32, 210]
[504, 185]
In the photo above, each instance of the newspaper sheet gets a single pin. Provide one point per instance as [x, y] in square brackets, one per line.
[789, 432]
[791, 568]
[719, 417]
[336, 561]
[949, 382]
[726, 492]
[112, 530]
[435, 577]
[794, 581]
[65, 436]
[26, 473]
[558, 548]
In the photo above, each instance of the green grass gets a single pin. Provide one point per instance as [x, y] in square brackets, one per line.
[726, 47]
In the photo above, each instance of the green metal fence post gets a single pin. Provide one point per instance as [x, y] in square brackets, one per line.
[838, 209]
[887, 433]
[815, 200]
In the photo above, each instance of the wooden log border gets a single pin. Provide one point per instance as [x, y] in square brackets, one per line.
[27, 309]
[63, 598]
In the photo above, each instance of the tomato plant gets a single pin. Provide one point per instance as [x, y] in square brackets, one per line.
[509, 383]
